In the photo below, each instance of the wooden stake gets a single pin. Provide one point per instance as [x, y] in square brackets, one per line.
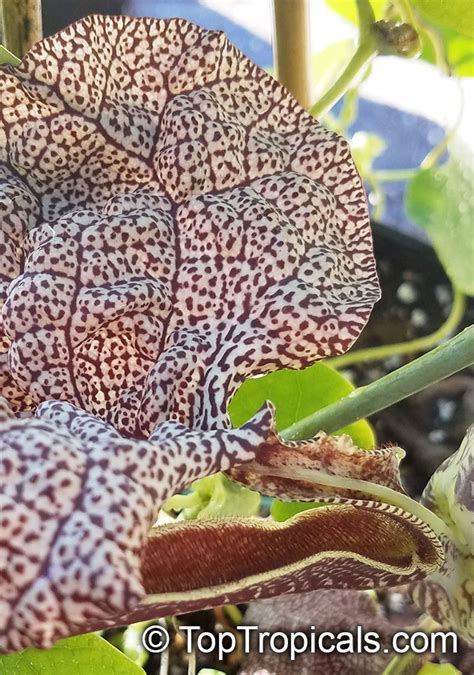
[292, 53]
[22, 25]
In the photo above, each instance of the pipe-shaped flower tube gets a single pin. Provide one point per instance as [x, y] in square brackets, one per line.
[172, 223]
[80, 551]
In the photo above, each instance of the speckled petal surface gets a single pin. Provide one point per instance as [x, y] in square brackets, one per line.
[448, 594]
[77, 503]
[206, 228]
[19, 213]
[290, 469]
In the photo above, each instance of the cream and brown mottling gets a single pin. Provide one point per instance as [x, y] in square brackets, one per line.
[79, 500]
[19, 212]
[448, 593]
[77, 503]
[206, 228]
[172, 222]
[278, 470]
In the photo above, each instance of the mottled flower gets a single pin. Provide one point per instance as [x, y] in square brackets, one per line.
[172, 223]
[448, 594]
[202, 226]
[80, 552]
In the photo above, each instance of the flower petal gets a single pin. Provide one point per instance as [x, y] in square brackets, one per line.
[291, 469]
[19, 214]
[448, 593]
[77, 502]
[195, 565]
[207, 228]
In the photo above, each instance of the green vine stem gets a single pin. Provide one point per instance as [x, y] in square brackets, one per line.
[410, 16]
[406, 12]
[21, 24]
[449, 358]
[292, 48]
[366, 50]
[412, 346]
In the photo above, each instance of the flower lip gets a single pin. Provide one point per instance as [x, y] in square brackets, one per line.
[206, 227]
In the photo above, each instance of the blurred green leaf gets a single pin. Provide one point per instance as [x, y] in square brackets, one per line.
[281, 511]
[457, 15]
[131, 642]
[438, 669]
[347, 8]
[296, 394]
[329, 63]
[459, 52]
[215, 497]
[441, 201]
[80, 655]
[6, 57]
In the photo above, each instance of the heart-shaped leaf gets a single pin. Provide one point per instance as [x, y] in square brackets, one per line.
[296, 394]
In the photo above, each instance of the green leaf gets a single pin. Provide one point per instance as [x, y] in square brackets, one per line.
[215, 497]
[459, 51]
[457, 15]
[348, 10]
[438, 669]
[441, 201]
[296, 394]
[7, 57]
[80, 655]
[281, 511]
[329, 63]
[131, 642]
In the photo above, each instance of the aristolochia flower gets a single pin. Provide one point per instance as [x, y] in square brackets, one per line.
[172, 222]
[202, 226]
[78, 505]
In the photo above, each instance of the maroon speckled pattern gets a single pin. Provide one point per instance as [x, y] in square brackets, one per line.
[172, 222]
[205, 227]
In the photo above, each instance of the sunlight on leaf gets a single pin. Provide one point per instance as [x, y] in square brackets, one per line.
[347, 9]
[131, 642]
[438, 669]
[6, 57]
[456, 15]
[459, 52]
[81, 655]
